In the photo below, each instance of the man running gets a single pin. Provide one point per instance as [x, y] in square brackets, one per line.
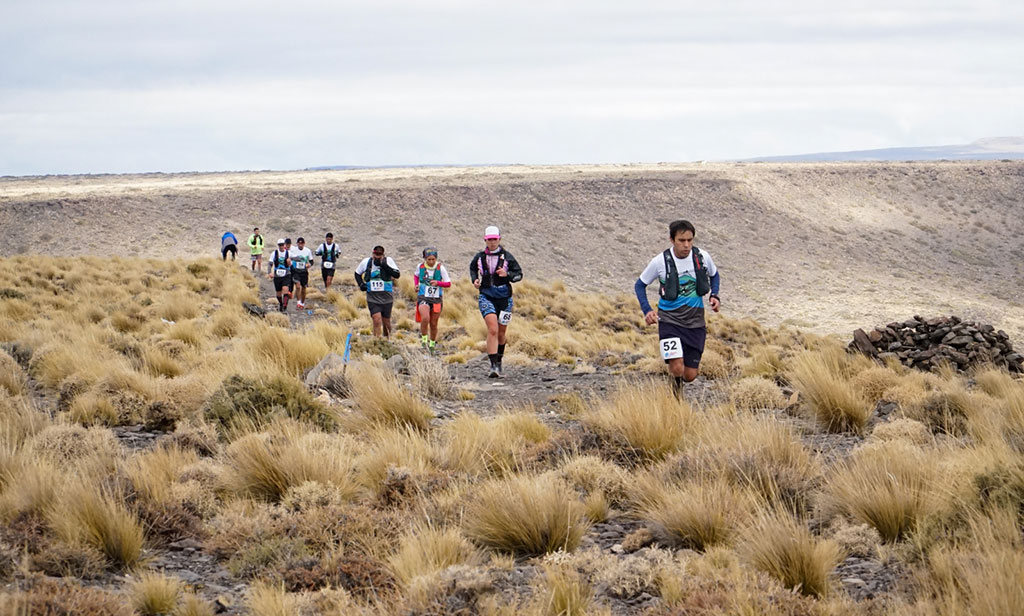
[686, 274]
[430, 280]
[302, 260]
[228, 243]
[280, 271]
[256, 250]
[328, 253]
[493, 270]
[375, 275]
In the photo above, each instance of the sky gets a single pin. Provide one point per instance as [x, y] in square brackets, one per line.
[118, 86]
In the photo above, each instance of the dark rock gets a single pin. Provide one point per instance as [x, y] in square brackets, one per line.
[254, 310]
[863, 343]
[959, 341]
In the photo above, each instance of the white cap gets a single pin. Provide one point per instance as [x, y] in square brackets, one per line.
[492, 233]
[280, 241]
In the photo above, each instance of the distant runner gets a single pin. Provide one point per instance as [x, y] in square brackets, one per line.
[302, 260]
[328, 253]
[280, 271]
[686, 276]
[228, 243]
[256, 250]
[430, 280]
[374, 275]
[493, 270]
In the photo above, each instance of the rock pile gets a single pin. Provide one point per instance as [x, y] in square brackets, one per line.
[926, 343]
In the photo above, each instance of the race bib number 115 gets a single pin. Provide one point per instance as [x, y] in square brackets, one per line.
[376, 285]
[671, 348]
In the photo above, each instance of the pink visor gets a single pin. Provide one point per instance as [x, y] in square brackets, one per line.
[492, 237]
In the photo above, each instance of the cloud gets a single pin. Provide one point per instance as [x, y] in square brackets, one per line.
[136, 86]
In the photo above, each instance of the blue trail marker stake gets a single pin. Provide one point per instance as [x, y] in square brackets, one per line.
[348, 353]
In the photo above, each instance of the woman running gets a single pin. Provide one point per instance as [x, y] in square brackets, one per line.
[430, 280]
[493, 270]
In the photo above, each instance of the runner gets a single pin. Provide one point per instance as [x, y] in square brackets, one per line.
[228, 243]
[302, 260]
[328, 253]
[493, 270]
[374, 275]
[280, 271]
[686, 275]
[291, 259]
[430, 280]
[256, 250]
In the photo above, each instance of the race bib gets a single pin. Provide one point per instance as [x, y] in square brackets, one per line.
[671, 348]
[376, 285]
[328, 264]
[281, 272]
[504, 317]
[432, 292]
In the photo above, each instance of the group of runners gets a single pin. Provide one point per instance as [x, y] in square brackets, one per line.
[686, 274]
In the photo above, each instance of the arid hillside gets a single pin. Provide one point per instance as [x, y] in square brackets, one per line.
[828, 247]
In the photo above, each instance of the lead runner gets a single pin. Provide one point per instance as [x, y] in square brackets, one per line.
[686, 274]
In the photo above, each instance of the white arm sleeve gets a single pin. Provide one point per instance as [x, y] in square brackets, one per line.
[362, 265]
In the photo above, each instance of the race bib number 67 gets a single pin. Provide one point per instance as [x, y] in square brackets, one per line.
[504, 317]
[671, 348]
[432, 292]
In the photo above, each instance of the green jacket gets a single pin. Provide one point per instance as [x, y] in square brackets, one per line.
[255, 244]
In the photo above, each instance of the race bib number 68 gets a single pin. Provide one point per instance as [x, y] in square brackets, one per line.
[504, 317]
[671, 348]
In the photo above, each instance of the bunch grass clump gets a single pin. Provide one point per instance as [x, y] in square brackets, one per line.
[526, 516]
[384, 400]
[822, 378]
[646, 418]
[782, 547]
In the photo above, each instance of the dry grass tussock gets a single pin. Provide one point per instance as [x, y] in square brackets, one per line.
[644, 417]
[822, 379]
[888, 485]
[383, 399]
[377, 506]
[785, 549]
[525, 516]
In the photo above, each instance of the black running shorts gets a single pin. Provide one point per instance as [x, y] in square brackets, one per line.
[685, 340]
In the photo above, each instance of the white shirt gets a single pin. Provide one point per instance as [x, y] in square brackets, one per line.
[300, 257]
[655, 270]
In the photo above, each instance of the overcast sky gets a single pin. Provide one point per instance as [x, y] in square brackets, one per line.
[204, 85]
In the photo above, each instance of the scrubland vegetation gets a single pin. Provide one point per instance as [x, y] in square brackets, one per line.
[801, 479]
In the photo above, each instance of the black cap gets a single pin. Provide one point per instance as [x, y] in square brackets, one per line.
[301, 239]
[330, 235]
[378, 249]
[287, 240]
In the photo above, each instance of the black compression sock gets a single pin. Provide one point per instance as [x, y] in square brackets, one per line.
[501, 350]
[494, 357]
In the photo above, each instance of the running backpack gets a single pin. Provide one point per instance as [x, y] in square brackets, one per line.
[670, 289]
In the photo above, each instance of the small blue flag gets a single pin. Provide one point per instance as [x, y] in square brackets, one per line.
[348, 347]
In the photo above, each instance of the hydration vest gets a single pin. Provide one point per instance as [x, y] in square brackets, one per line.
[669, 290]
[328, 253]
[486, 277]
[378, 274]
[423, 276]
[280, 260]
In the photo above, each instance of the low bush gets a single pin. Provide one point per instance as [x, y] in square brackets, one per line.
[243, 399]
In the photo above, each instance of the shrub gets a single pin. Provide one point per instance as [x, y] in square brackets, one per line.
[756, 393]
[563, 593]
[63, 598]
[244, 399]
[430, 377]
[644, 417]
[820, 378]
[526, 516]
[293, 353]
[477, 445]
[785, 549]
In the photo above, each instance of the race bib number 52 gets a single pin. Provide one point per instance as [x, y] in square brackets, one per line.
[504, 317]
[671, 348]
